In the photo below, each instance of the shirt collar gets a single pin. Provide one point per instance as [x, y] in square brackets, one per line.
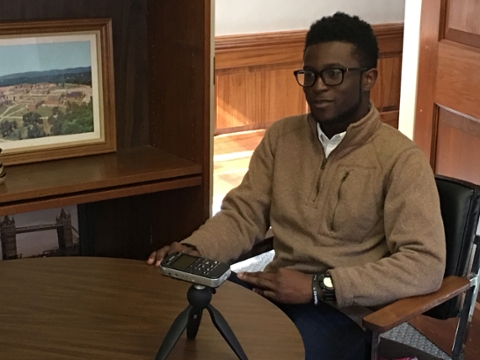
[329, 144]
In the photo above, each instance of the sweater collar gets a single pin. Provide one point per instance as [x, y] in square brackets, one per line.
[358, 132]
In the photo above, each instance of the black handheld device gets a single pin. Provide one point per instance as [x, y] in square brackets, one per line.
[195, 269]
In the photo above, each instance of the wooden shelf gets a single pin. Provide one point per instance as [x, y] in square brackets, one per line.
[64, 182]
[147, 194]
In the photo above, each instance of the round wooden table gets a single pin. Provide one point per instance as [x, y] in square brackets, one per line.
[102, 308]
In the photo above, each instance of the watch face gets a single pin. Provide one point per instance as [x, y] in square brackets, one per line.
[327, 281]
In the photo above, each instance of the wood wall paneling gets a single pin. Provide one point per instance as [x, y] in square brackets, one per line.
[390, 39]
[254, 79]
[239, 51]
[386, 92]
[254, 99]
[255, 85]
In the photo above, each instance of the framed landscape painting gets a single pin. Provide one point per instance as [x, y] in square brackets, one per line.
[56, 90]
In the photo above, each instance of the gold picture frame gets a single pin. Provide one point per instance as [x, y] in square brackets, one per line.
[56, 90]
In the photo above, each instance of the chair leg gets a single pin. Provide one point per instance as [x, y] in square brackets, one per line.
[465, 318]
[372, 339]
[468, 307]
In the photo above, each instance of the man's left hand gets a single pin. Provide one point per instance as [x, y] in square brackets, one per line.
[283, 285]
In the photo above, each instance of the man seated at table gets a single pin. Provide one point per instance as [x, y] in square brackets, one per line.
[352, 202]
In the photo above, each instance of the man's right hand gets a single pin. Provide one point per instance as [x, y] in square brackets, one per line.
[156, 257]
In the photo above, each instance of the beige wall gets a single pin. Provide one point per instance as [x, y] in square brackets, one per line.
[255, 16]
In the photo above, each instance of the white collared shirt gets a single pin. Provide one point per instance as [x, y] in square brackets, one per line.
[329, 144]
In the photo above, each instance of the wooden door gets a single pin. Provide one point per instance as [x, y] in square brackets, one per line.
[447, 117]
[447, 122]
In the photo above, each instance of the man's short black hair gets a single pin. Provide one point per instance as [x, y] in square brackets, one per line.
[349, 29]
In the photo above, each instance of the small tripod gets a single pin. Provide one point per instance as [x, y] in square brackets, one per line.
[199, 298]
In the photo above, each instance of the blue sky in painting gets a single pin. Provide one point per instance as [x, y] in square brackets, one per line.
[44, 56]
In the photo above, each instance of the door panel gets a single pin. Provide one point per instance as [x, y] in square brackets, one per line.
[448, 99]
[458, 78]
[460, 24]
[454, 131]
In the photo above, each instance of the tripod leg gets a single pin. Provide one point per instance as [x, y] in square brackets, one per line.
[227, 333]
[173, 334]
[194, 318]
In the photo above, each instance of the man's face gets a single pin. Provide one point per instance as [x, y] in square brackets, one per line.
[339, 103]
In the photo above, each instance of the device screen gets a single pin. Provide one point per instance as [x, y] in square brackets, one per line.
[184, 262]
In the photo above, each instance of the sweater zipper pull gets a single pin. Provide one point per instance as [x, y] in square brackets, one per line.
[332, 224]
[324, 163]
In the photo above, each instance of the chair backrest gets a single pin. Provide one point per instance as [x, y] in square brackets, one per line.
[460, 206]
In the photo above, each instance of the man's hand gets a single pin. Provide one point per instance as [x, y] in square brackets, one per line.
[283, 285]
[156, 257]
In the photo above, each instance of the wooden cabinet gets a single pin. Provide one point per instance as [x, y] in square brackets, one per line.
[156, 188]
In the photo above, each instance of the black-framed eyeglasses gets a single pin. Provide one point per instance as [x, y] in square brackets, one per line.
[330, 76]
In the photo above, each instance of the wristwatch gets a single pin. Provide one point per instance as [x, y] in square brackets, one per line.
[326, 284]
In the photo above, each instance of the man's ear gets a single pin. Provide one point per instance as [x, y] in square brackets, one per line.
[369, 79]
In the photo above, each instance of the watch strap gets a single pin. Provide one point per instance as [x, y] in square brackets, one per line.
[315, 288]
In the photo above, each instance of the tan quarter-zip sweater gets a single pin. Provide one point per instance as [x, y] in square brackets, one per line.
[369, 213]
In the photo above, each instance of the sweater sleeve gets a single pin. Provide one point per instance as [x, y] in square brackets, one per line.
[243, 218]
[414, 235]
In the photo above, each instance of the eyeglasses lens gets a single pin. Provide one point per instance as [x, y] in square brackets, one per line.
[329, 77]
[306, 78]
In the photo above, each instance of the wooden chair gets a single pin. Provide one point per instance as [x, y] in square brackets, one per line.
[460, 207]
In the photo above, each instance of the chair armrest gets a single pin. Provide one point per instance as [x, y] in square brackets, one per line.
[405, 309]
[257, 249]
